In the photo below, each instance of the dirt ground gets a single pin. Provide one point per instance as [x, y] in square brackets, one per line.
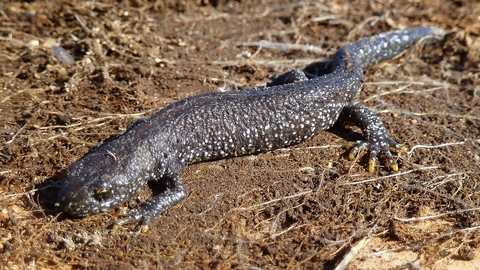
[303, 207]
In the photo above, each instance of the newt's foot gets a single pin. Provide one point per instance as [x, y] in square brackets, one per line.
[148, 210]
[375, 147]
[135, 215]
[376, 135]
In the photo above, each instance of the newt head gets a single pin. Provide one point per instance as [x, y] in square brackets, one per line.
[94, 184]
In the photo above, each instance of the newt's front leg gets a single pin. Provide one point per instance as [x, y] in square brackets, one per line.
[175, 193]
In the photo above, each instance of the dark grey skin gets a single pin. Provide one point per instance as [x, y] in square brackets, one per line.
[220, 125]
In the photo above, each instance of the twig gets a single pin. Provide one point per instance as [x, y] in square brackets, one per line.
[388, 176]
[16, 134]
[275, 200]
[432, 146]
[82, 24]
[353, 252]
[282, 46]
[436, 216]
[297, 62]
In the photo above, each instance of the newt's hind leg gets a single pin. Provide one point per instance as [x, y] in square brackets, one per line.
[291, 76]
[313, 70]
[376, 135]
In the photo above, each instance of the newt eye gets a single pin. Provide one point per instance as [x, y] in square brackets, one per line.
[101, 194]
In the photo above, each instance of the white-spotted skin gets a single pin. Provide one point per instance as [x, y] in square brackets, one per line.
[227, 124]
